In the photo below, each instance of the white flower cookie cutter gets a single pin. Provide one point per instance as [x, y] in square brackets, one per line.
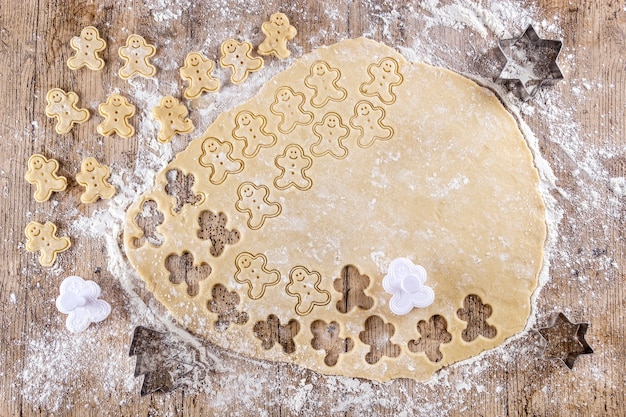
[79, 299]
[405, 282]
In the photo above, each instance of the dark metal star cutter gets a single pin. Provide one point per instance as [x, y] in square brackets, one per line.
[530, 63]
[165, 361]
[565, 340]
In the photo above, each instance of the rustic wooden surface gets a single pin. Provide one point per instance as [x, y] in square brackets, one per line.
[588, 283]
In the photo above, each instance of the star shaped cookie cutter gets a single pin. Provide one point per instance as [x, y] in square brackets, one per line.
[530, 63]
[165, 360]
[564, 340]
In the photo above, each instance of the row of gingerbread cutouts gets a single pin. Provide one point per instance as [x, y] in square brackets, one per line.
[251, 269]
[352, 285]
[376, 334]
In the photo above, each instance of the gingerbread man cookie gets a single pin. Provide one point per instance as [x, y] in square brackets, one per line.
[323, 79]
[331, 133]
[62, 105]
[293, 164]
[237, 57]
[197, 70]
[42, 238]
[277, 32]
[116, 112]
[136, 54]
[384, 76]
[252, 270]
[171, 115]
[42, 172]
[250, 129]
[304, 285]
[254, 200]
[369, 120]
[93, 177]
[87, 46]
[216, 155]
[288, 105]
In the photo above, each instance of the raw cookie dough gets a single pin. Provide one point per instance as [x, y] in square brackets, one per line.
[399, 160]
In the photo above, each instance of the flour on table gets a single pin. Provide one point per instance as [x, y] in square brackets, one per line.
[54, 352]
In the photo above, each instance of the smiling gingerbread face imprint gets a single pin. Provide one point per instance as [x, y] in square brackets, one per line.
[63, 107]
[251, 129]
[87, 47]
[331, 134]
[369, 121]
[384, 77]
[289, 106]
[197, 71]
[323, 79]
[136, 54]
[303, 197]
[277, 32]
[238, 57]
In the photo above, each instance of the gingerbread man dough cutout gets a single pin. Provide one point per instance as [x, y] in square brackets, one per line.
[136, 54]
[331, 133]
[293, 164]
[216, 155]
[93, 177]
[87, 46]
[277, 31]
[323, 79]
[197, 70]
[63, 106]
[250, 129]
[288, 105]
[254, 200]
[384, 76]
[116, 112]
[171, 115]
[42, 238]
[237, 57]
[42, 172]
[252, 270]
[304, 285]
[369, 120]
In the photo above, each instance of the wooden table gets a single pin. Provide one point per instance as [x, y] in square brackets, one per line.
[586, 275]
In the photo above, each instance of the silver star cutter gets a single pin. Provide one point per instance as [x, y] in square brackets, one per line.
[530, 63]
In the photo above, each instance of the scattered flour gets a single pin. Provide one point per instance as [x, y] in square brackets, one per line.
[56, 362]
[618, 186]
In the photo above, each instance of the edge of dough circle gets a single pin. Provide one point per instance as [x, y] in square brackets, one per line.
[270, 235]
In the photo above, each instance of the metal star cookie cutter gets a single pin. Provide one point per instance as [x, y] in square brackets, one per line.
[564, 340]
[165, 361]
[530, 63]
